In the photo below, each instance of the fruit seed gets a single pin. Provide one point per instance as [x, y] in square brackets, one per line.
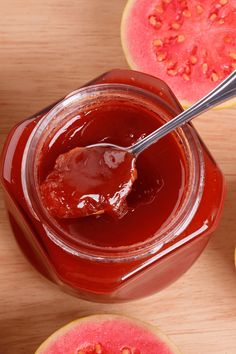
[180, 38]
[172, 72]
[223, 2]
[161, 56]
[171, 64]
[98, 348]
[126, 351]
[186, 77]
[175, 25]
[154, 22]
[193, 59]
[214, 77]
[187, 13]
[187, 69]
[199, 9]
[204, 68]
[158, 42]
[213, 17]
[232, 55]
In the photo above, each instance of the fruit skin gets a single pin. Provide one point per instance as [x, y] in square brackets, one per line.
[46, 347]
[133, 65]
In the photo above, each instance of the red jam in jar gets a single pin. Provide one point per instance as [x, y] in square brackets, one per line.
[166, 219]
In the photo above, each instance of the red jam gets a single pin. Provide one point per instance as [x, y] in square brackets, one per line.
[89, 181]
[155, 195]
[72, 234]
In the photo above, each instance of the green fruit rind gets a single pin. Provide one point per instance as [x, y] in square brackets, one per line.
[185, 104]
[45, 346]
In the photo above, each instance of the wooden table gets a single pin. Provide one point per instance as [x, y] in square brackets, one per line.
[49, 48]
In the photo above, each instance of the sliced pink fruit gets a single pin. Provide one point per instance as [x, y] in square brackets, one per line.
[190, 44]
[107, 334]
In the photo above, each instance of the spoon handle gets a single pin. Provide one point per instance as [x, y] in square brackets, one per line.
[223, 92]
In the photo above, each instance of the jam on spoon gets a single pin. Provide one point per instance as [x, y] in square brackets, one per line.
[89, 181]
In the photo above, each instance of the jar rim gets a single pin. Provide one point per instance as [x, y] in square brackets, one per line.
[123, 253]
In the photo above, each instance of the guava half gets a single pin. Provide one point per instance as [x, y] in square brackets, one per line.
[190, 44]
[107, 334]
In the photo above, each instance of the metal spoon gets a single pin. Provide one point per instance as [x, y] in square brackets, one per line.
[223, 92]
[112, 156]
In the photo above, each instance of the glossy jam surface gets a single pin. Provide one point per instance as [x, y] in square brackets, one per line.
[156, 194]
[89, 181]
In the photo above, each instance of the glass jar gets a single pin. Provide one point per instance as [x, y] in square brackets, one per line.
[120, 262]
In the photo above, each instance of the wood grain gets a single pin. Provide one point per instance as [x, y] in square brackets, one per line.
[48, 48]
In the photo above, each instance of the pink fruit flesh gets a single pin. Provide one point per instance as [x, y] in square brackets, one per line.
[107, 334]
[189, 44]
